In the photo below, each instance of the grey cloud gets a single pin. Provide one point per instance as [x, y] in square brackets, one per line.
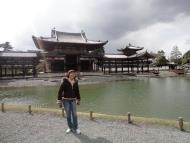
[109, 19]
[173, 6]
[166, 10]
[115, 18]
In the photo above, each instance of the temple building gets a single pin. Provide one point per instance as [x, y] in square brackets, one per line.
[130, 50]
[130, 60]
[63, 51]
[18, 63]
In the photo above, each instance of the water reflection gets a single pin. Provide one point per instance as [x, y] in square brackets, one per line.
[152, 97]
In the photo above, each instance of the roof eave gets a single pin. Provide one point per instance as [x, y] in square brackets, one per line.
[35, 41]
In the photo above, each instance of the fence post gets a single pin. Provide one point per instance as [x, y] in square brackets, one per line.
[91, 115]
[2, 107]
[29, 109]
[180, 120]
[129, 117]
[63, 113]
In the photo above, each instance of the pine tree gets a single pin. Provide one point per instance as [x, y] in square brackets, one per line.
[176, 55]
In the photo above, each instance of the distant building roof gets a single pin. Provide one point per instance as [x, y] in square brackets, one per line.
[142, 55]
[130, 50]
[18, 54]
[115, 56]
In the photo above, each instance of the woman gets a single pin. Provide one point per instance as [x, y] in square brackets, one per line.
[69, 96]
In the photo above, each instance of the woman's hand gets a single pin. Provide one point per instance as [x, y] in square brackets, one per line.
[59, 102]
[78, 102]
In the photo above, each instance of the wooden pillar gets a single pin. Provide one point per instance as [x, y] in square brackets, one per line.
[102, 64]
[122, 66]
[26, 70]
[12, 71]
[115, 66]
[23, 70]
[104, 69]
[142, 70]
[91, 65]
[109, 66]
[1, 71]
[132, 67]
[5, 71]
[34, 71]
[137, 66]
[147, 65]
[97, 65]
[19, 70]
[15, 70]
[128, 66]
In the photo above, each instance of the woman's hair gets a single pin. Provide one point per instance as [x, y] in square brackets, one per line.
[69, 72]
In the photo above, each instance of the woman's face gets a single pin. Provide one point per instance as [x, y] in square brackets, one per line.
[72, 75]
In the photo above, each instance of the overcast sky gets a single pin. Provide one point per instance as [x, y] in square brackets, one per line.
[152, 24]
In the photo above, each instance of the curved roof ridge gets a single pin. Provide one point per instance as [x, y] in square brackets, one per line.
[67, 33]
[66, 36]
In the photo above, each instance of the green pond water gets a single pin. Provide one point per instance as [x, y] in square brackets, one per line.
[150, 97]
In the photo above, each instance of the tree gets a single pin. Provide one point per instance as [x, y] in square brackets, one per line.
[186, 57]
[160, 59]
[176, 55]
[6, 46]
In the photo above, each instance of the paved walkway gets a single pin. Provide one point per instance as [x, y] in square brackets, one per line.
[49, 128]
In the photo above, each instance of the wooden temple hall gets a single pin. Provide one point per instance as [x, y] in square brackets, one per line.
[63, 51]
[17, 63]
[130, 61]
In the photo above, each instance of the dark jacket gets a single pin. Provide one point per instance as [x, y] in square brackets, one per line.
[66, 90]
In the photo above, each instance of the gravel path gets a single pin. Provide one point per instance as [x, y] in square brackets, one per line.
[49, 128]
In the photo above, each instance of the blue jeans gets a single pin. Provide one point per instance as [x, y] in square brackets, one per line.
[70, 109]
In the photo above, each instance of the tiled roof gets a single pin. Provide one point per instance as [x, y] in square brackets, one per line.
[67, 37]
[137, 55]
[18, 54]
[115, 56]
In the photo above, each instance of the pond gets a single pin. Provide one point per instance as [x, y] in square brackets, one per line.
[149, 97]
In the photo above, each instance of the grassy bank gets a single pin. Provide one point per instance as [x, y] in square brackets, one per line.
[135, 120]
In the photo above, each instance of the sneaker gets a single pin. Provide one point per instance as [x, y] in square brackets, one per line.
[68, 130]
[78, 131]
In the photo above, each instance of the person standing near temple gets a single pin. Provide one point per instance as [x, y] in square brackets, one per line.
[69, 97]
